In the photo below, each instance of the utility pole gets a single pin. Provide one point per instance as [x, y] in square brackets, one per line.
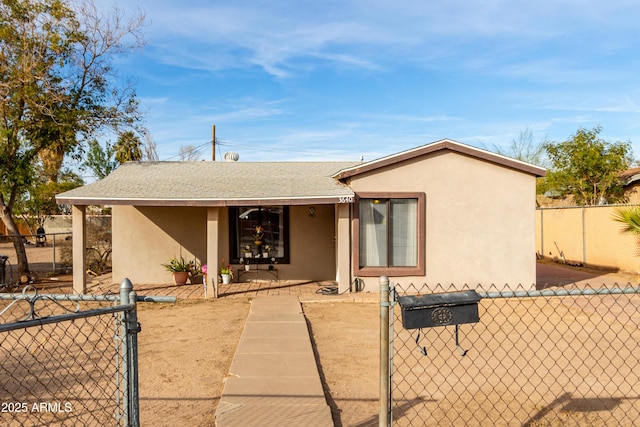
[213, 143]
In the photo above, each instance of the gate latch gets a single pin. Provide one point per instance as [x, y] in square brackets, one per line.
[135, 330]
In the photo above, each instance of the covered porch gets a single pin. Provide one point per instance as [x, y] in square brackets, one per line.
[312, 252]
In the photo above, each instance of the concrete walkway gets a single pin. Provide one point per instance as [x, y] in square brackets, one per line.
[273, 379]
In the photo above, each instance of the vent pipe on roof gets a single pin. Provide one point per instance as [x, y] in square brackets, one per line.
[231, 156]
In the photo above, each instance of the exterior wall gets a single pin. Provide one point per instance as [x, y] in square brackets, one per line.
[311, 244]
[146, 237]
[633, 194]
[586, 236]
[480, 219]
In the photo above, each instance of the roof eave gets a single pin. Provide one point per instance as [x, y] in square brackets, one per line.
[445, 144]
[209, 202]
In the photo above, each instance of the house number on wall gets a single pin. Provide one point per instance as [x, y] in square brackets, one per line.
[441, 316]
[346, 199]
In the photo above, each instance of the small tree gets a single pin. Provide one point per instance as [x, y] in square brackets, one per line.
[39, 202]
[100, 161]
[188, 153]
[588, 168]
[150, 149]
[526, 149]
[98, 246]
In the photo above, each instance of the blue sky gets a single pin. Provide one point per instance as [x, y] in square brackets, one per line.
[341, 80]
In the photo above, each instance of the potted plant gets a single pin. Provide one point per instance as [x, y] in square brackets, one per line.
[247, 266]
[265, 251]
[180, 268]
[196, 272]
[226, 272]
[205, 271]
[247, 252]
[258, 234]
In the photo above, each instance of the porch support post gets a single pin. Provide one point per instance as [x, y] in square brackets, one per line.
[79, 248]
[213, 253]
[343, 247]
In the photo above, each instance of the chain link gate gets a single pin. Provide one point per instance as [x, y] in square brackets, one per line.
[70, 359]
[552, 357]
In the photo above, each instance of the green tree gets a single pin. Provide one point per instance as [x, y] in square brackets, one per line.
[57, 89]
[588, 168]
[128, 148]
[39, 200]
[100, 160]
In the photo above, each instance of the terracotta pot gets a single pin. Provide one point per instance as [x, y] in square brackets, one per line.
[180, 277]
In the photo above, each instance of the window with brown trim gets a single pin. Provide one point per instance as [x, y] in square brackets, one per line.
[257, 230]
[389, 229]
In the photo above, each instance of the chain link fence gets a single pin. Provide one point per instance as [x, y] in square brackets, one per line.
[553, 357]
[49, 252]
[69, 359]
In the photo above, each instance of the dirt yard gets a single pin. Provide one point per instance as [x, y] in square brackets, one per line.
[186, 350]
[185, 353]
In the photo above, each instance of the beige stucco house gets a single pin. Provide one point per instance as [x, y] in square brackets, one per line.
[440, 213]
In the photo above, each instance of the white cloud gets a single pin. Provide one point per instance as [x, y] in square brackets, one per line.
[473, 70]
[374, 34]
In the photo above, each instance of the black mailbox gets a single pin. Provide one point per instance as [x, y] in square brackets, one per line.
[427, 311]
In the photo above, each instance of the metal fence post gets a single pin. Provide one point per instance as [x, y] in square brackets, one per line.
[392, 317]
[384, 420]
[125, 288]
[53, 249]
[133, 327]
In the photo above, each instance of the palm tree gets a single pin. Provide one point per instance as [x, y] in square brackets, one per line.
[630, 217]
[127, 148]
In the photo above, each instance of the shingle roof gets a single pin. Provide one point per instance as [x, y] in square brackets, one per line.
[252, 183]
[630, 176]
[214, 184]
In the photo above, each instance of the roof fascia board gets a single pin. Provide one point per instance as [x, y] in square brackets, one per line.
[445, 144]
[320, 200]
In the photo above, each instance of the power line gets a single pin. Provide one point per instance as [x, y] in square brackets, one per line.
[221, 144]
[195, 150]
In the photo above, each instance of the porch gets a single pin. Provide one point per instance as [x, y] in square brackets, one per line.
[245, 289]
